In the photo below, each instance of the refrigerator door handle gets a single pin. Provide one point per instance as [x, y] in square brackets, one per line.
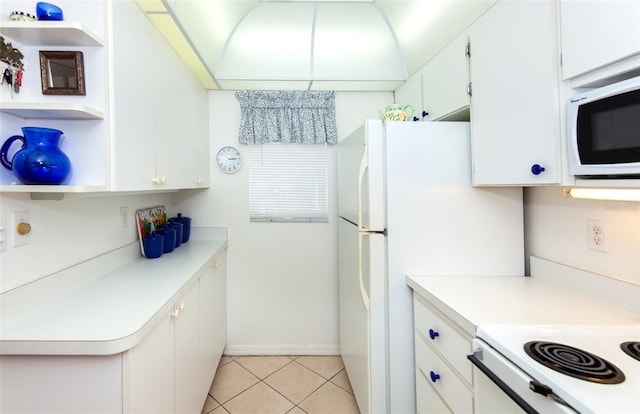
[364, 165]
[363, 291]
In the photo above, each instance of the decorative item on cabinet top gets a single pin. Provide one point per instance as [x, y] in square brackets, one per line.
[397, 112]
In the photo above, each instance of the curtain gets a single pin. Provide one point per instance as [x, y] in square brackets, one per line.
[307, 117]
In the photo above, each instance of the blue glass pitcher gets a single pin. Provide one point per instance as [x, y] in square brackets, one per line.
[40, 160]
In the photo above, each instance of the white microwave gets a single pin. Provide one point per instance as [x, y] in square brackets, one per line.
[604, 131]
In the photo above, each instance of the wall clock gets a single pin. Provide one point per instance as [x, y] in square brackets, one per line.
[229, 160]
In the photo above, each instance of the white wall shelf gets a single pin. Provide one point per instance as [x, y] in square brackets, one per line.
[21, 188]
[39, 110]
[49, 33]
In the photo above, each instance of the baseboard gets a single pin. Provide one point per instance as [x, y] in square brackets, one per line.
[282, 350]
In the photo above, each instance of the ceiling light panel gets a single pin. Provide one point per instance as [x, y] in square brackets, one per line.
[354, 42]
[271, 42]
[209, 23]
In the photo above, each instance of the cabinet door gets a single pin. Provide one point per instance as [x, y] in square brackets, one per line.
[213, 317]
[192, 117]
[514, 102]
[133, 64]
[445, 81]
[410, 93]
[169, 102]
[189, 398]
[596, 33]
[149, 385]
[160, 122]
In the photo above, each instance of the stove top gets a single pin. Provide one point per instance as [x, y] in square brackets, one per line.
[608, 354]
[631, 348]
[575, 362]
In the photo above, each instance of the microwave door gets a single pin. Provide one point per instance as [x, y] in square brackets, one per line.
[605, 131]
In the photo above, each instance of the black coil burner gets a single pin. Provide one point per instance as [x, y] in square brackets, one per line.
[574, 362]
[631, 348]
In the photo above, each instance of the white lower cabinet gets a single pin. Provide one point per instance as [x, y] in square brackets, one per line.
[172, 369]
[169, 371]
[427, 399]
[62, 384]
[213, 320]
[444, 380]
[149, 372]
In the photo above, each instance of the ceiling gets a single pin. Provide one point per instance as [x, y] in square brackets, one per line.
[353, 45]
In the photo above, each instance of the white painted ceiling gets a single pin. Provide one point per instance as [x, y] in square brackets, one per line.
[356, 45]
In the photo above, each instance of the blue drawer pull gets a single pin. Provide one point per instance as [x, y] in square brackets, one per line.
[536, 169]
[434, 377]
[433, 334]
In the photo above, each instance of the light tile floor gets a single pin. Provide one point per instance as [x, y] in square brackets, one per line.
[280, 384]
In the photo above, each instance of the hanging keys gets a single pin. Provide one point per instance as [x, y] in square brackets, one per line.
[6, 76]
[17, 79]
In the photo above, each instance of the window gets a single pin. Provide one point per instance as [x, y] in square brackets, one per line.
[288, 182]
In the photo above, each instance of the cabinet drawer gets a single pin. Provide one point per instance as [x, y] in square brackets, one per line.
[444, 337]
[447, 384]
[427, 399]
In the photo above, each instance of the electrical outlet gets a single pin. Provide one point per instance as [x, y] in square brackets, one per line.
[597, 235]
[21, 228]
[124, 217]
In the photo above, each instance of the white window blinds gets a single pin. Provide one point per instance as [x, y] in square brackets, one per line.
[288, 182]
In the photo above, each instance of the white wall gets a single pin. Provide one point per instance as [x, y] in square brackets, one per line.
[67, 232]
[282, 277]
[556, 229]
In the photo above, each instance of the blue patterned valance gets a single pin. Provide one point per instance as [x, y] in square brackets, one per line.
[307, 117]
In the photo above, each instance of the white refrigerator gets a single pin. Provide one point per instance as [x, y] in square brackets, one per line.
[406, 206]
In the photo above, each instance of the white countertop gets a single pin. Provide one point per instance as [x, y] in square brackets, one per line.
[109, 314]
[474, 300]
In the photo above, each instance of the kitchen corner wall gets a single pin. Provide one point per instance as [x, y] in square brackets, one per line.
[556, 229]
[282, 285]
[67, 232]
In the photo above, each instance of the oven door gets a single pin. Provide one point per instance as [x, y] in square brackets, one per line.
[501, 387]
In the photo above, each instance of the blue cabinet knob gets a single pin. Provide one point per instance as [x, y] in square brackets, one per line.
[536, 169]
[434, 377]
[424, 113]
[415, 118]
[433, 334]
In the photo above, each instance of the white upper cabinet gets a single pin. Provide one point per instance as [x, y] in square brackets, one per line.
[514, 103]
[143, 123]
[598, 33]
[159, 110]
[410, 93]
[445, 82]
